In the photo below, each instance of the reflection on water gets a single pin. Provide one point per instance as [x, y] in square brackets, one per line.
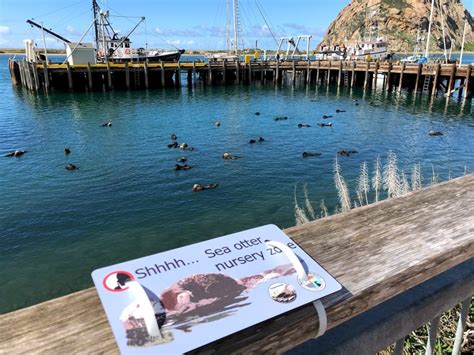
[126, 201]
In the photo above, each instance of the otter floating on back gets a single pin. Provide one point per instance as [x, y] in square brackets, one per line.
[200, 187]
[329, 124]
[16, 153]
[435, 133]
[303, 125]
[107, 124]
[259, 140]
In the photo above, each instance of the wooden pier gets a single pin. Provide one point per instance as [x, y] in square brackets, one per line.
[376, 252]
[428, 79]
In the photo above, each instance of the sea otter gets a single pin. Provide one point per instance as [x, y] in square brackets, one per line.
[339, 111]
[200, 187]
[182, 167]
[16, 153]
[107, 124]
[228, 156]
[217, 124]
[281, 118]
[67, 151]
[311, 154]
[435, 133]
[346, 152]
[327, 116]
[302, 125]
[71, 167]
[325, 124]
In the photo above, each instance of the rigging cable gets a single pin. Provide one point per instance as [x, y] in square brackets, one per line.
[266, 22]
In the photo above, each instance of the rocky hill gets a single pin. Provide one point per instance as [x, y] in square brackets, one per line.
[400, 21]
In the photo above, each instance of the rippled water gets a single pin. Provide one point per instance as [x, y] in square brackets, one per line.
[126, 201]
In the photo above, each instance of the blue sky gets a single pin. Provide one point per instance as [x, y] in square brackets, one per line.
[188, 24]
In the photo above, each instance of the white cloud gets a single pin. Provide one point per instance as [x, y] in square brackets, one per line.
[4, 30]
[72, 30]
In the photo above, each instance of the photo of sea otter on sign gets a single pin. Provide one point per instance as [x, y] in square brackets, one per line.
[194, 300]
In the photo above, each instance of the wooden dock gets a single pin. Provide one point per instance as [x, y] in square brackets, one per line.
[376, 252]
[429, 79]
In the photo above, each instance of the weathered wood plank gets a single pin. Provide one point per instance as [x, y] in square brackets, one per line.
[375, 251]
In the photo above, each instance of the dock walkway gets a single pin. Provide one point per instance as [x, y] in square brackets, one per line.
[376, 252]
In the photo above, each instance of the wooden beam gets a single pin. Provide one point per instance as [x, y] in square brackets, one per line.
[366, 79]
[353, 76]
[376, 72]
[127, 76]
[293, 64]
[466, 93]
[145, 72]
[177, 82]
[400, 83]
[69, 77]
[109, 77]
[389, 77]
[162, 66]
[237, 71]
[451, 80]
[35, 76]
[376, 252]
[318, 64]
[418, 74]
[435, 81]
[328, 72]
[339, 75]
[224, 72]
[89, 75]
[308, 72]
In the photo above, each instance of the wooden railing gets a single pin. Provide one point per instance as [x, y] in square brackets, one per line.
[376, 252]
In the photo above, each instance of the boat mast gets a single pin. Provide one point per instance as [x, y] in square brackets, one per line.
[236, 49]
[227, 25]
[463, 40]
[429, 29]
[95, 9]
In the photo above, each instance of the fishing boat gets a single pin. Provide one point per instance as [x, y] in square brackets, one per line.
[109, 45]
[112, 47]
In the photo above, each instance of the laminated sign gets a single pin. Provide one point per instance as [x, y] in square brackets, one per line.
[181, 299]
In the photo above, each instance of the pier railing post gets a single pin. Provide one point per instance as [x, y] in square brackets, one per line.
[194, 72]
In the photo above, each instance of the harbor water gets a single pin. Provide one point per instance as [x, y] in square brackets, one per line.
[125, 200]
